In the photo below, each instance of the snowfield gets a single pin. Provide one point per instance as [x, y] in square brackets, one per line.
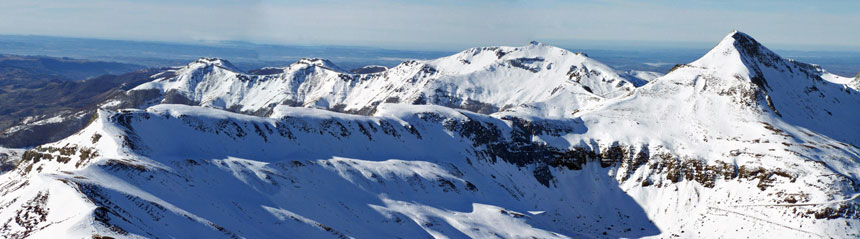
[497, 142]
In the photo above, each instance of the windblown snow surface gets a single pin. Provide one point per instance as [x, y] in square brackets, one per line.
[501, 142]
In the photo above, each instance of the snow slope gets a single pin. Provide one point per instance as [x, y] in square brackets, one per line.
[738, 112]
[177, 171]
[796, 92]
[740, 143]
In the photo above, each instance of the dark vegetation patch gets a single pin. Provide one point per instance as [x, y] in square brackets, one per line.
[30, 217]
[75, 101]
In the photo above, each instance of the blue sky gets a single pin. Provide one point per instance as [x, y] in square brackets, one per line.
[444, 24]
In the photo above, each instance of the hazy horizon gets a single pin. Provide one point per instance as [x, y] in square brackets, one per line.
[443, 25]
[622, 56]
[622, 45]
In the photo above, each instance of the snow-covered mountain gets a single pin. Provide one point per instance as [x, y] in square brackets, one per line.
[484, 80]
[744, 140]
[740, 143]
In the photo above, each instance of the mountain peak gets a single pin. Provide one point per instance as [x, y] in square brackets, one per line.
[214, 61]
[739, 50]
[748, 45]
[742, 42]
[324, 63]
[736, 35]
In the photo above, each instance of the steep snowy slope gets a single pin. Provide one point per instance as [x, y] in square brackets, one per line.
[412, 171]
[727, 123]
[796, 92]
[484, 80]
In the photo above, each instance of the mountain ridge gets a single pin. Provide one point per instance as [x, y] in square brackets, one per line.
[484, 71]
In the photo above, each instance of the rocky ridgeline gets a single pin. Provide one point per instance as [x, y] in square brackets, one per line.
[508, 140]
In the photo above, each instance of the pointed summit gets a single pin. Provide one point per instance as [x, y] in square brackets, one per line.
[750, 47]
[739, 54]
[738, 47]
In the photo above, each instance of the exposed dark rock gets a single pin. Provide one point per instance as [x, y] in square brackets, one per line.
[369, 70]
[266, 71]
[526, 63]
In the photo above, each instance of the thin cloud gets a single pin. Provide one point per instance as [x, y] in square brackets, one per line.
[444, 24]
